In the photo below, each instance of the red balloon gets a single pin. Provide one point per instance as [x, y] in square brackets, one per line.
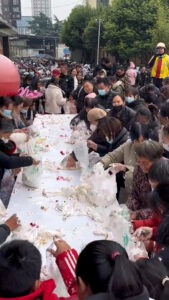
[9, 77]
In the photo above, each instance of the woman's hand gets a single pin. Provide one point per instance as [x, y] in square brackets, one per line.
[117, 167]
[143, 233]
[92, 145]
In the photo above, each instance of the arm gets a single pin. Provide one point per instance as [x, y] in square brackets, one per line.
[66, 262]
[116, 156]
[14, 162]
[152, 61]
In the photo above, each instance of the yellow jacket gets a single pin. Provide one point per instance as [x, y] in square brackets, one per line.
[164, 69]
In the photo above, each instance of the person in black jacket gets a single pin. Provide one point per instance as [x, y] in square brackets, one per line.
[66, 82]
[108, 135]
[10, 225]
[90, 102]
[120, 111]
[105, 94]
[132, 99]
[81, 92]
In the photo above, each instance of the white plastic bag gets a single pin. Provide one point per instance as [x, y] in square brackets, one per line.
[31, 176]
[81, 152]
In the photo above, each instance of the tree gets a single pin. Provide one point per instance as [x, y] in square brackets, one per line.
[128, 27]
[74, 28]
[42, 25]
[161, 29]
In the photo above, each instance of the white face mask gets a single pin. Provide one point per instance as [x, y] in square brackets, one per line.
[166, 147]
[93, 127]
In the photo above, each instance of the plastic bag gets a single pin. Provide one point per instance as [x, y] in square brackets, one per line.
[81, 152]
[31, 176]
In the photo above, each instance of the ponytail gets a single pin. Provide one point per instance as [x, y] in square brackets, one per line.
[126, 280]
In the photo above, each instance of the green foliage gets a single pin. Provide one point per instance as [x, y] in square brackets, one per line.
[74, 27]
[128, 27]
[43, 26]
[161, 29]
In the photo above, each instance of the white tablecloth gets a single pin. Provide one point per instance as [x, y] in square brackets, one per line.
[27, 202]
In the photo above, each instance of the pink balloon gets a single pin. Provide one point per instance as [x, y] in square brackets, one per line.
[9, 77]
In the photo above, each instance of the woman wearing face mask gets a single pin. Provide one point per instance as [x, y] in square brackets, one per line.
[6, 107]
[122, 112]
[17, 108]
[108, 133]
[132, 99]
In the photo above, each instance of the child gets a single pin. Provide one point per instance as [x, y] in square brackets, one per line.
[20, 267]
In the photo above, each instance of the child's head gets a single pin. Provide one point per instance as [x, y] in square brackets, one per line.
[20, 265]
[104, 266]
[155, 278]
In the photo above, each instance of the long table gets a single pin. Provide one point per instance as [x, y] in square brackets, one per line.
[33, 207]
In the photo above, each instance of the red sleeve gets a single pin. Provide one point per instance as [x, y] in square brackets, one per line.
[66, 262]
[152, 222]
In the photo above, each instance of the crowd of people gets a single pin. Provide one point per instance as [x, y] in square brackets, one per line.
[126, 112]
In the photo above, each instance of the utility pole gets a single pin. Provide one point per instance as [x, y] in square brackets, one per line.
[98, 40]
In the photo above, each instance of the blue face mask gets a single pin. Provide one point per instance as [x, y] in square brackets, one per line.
[129, 100]
[7, 112]
[102, 92]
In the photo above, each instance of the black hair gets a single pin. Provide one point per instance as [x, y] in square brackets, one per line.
[159, 171]
[5, 101]
[151, 150]
[17, 100]
[20, 265]
[153, 272]
[164, 110]
[137, 130]
[145, 112]
[132, 90]
[121, 96]
[104, 266]
[120, 67]
[158, 199]
[104, 80]
[90, 102]
[166, 81]
[163, 232]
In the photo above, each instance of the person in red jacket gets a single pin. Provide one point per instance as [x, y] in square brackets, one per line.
[20, 267]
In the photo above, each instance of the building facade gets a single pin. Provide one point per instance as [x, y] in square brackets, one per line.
[41, 6]
[97, 3]
[23, 25]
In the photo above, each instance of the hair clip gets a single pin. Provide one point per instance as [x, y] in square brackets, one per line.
[165, 280]
[115, 254]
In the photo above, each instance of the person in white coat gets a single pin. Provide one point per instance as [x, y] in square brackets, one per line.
[54, 96]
